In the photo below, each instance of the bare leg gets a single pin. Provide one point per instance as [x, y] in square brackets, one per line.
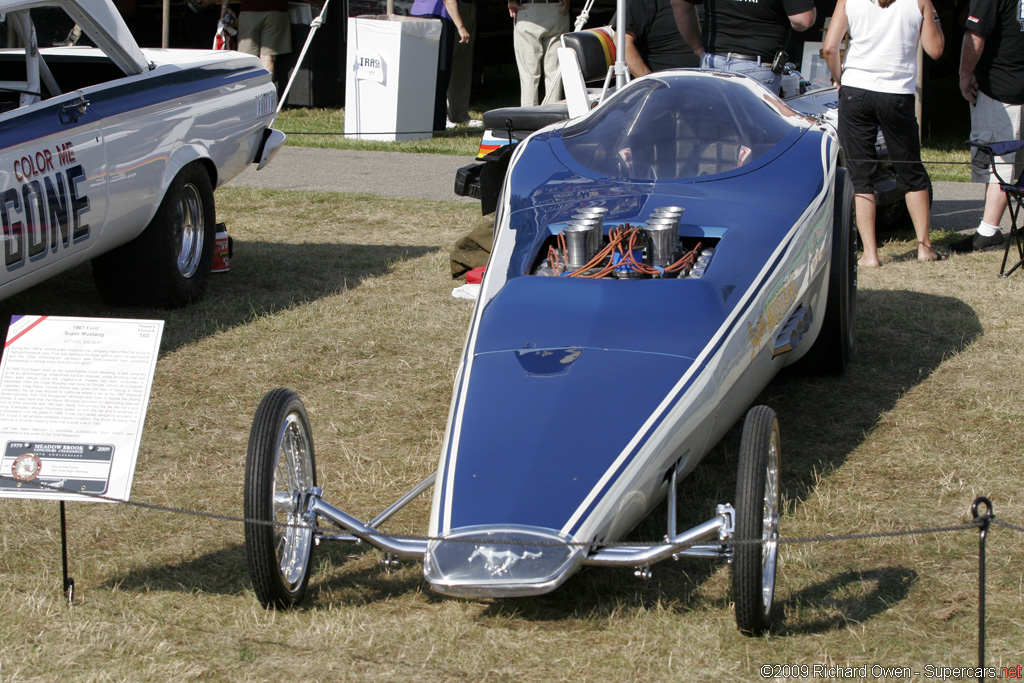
[268, 64]
[921, 217]
[865, 207]
[995, 204]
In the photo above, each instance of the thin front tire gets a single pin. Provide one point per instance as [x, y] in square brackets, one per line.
[280, 474]
[757, 519]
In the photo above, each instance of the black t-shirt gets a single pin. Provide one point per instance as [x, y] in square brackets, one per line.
[749, 27]
[1000, 69]
[657, 37]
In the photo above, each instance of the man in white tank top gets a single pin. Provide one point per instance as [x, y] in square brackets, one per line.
[877, 80]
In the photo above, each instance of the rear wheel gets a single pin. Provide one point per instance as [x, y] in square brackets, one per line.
[836, 343]
[279, 475]
[168, 265]
[757, 519]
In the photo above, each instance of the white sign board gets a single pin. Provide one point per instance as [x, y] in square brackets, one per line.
[73, 399]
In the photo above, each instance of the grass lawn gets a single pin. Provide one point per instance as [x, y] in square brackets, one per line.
[351, 307]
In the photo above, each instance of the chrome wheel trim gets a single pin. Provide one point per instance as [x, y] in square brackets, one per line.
[190, 230]
[770, 525]
[293, 479]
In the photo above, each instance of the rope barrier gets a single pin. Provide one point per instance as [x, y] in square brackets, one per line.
[782, 541]
[980, 521]
[1007, 525]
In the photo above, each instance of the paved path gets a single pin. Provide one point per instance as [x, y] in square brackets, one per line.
[957, 206]
[392, 174]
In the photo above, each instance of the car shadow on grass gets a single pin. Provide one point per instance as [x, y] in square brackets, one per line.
[265, 277]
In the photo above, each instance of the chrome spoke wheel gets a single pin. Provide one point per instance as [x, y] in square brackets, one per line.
[280, 479]
[770, 525]
[293, 479]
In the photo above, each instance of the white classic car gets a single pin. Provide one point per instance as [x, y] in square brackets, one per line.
[111, 153]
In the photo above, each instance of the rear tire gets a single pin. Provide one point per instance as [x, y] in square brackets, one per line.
[757, 518]
[279, 475]
[836, 343]
[168, 264]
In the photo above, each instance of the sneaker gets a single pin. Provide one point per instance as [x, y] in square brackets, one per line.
[978, 242]
[449, 124]
[475, 123]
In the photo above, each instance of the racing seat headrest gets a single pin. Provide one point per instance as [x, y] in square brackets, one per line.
[595, 50]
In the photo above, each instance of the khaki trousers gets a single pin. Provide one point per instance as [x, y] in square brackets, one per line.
[536, 40]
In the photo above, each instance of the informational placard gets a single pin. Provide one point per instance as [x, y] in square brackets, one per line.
[73, 399]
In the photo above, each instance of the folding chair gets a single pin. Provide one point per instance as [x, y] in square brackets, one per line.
[1014, 197]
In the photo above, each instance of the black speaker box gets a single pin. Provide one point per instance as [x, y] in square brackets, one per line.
[319, 81]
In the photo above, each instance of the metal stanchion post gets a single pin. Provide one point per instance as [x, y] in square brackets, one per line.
[982, 521]
[69, 583]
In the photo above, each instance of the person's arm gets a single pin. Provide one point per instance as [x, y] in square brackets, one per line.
[453, 11]
[932, 39]
[688, 24]
[970, 53]
[637, 65]
[834, 39]
[804, 20]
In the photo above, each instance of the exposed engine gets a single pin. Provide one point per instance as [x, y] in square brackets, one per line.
[653, 249]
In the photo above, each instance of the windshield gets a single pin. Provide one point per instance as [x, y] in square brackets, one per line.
[680, 126]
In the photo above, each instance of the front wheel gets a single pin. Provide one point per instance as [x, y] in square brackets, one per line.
[757, 521]
[168, 264]
[279, 477]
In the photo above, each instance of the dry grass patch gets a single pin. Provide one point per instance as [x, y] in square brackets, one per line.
[346, 299]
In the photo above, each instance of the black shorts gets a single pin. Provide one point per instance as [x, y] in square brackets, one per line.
[861, 114]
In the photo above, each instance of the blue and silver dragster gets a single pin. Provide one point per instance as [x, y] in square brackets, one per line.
[656, 262]
[110, 153]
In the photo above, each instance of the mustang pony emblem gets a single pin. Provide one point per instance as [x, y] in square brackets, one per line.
[499, 562]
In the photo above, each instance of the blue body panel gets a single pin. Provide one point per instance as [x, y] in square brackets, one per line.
[534, 465]
[566, 379]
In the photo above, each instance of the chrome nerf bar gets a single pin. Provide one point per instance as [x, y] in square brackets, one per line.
[720, 526]
[404, 548]
[688, 544]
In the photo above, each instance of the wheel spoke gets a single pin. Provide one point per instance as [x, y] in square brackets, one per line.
[291, 485]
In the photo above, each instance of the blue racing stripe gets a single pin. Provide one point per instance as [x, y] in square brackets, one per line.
[740, 315]
[119, 98]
